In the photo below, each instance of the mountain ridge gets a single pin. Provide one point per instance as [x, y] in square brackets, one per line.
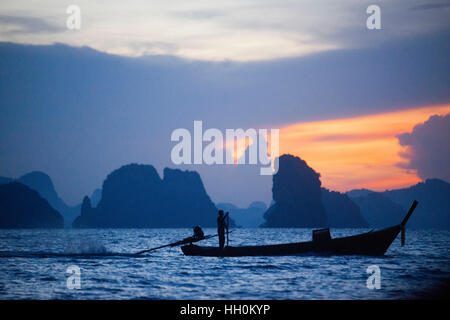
[135, 196]
[23, 207]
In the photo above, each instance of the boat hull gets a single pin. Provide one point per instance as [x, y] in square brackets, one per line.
[372, 243]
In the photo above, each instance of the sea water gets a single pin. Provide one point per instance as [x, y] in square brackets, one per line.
[38, 264]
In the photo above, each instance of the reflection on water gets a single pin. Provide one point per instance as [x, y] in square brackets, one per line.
[33, 265]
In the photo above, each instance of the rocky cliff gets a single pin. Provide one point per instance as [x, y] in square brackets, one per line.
[134, 196]
[22, 207]
[342, 212]
[297, 194]
[387, 208]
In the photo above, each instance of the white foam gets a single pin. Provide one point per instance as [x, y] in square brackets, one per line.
[85, 247]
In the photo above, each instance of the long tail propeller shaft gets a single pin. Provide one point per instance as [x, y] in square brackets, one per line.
[402, 225]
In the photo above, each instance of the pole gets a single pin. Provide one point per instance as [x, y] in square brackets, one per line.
[178, 243]
[228, 224]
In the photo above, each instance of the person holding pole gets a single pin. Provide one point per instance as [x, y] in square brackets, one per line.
[221, 224]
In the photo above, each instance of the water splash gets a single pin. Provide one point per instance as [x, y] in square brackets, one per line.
[85, 247]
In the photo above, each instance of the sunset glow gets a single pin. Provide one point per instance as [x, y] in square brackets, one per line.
[360, 152]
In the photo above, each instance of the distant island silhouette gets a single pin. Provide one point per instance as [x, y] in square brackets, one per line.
[299, 200]
[342, 212]
[250, 217]
[22, 207]
[134, 196]
[382, 209]
[42, 183]
[297, 194]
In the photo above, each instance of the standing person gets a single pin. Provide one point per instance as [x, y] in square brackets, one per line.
[221, 228]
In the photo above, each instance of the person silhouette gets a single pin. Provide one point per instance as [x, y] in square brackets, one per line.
[221, 228]
[198, 233]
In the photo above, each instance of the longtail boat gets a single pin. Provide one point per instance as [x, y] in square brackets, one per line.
[373, 243]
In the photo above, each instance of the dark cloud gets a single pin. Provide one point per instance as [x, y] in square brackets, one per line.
[22, 24]
[429, 148]
[106, 110]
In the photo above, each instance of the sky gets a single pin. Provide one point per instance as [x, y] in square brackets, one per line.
[365, 108]
[239, 30]
[368, 147]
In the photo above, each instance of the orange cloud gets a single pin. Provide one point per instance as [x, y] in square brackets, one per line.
[360, 152]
